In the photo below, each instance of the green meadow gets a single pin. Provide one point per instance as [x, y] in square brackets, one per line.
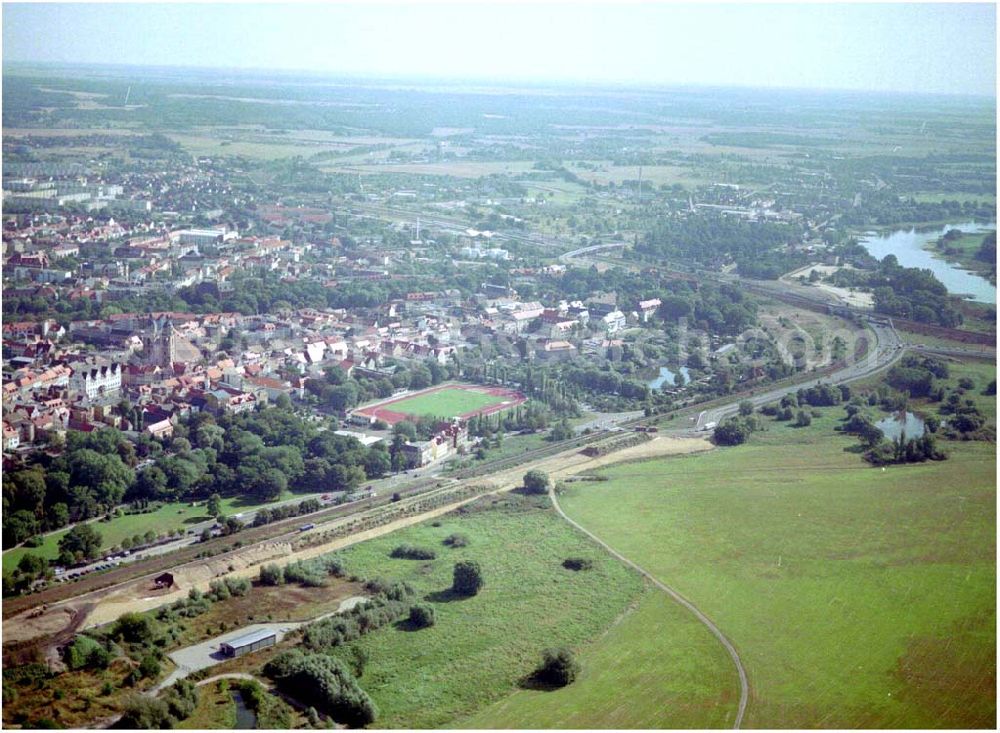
[480, 648]
[856, 597]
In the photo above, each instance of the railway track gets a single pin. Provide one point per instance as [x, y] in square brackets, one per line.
[287, 528]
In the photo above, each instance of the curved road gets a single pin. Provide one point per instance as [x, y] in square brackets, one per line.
[744, 684]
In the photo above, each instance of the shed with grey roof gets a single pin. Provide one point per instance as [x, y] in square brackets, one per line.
[249, 643]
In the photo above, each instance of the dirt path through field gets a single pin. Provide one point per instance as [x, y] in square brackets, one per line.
[744, 684]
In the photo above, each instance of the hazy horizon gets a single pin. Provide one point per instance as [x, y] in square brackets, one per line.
[838, 48]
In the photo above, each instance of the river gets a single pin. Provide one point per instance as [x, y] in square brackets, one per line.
[908, 246]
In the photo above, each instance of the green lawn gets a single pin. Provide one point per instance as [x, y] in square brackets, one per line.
[448, 402]
[856, 597]
[167, 517]
[480, 647]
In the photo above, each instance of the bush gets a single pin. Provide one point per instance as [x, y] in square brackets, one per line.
[468, 578]
[421, 616]
[86, 652]
[803, 419]
[325, 683]
[536, 482]
[559, 667]
[149, 667]
[237, 586]
[310, 573]
[388, 606]
[578, 563]
[181, 699]
[271, 575]
[456, 540]
[410, 552]
[145, 713]
[134, 628]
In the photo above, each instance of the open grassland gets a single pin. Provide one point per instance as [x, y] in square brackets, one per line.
[604, 172]
[657, 668]
[445, 402]
[555, 191]
[165, 518]
[963, 251]
[856, 597]
[255, 148]
[480, 647]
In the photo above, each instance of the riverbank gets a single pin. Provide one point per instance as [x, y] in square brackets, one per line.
[910, 248]
[962, 251]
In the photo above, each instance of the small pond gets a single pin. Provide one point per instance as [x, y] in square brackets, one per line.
[246, 719]
[894, 425]
[669, 378]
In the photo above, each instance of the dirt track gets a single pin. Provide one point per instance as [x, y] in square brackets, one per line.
[728, 645]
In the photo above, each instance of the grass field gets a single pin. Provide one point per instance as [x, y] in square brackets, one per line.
[481, 646]
[446, 402]
[167, 517]
[657, 668]
[856, 597]
[965, 249]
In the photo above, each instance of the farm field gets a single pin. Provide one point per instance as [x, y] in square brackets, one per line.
[856, 597]
[167, 517]
[652, 174]
[658, 667]
[459, 169]
[481, 646]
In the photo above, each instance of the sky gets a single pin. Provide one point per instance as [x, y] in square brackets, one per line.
[936, 48]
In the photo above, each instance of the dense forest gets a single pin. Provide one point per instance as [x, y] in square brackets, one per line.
[757, 248]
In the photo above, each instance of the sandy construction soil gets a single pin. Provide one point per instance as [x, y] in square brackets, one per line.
[852, 298]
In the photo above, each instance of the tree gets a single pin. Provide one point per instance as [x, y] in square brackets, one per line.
[135, 628]
[151, 483]
[803, 419]
[559, 667]
[58, 515]
[377, 463]
[421, 616]
[82, 540]
[406, 429]
[732, 432]
[214, 505]
[468, 578]
[536, 482]
[562, 430]
[746, 408]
